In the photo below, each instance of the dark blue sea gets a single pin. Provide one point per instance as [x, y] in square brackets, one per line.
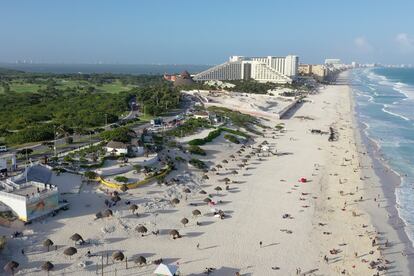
[134, 69]
[385, 105]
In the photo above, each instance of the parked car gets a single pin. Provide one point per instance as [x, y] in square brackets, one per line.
[3, 148]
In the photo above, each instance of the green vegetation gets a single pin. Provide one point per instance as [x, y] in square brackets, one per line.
[32, 105]
[214, 134]
[198, 163]
[120, 134]
[121, 179]
[209, 138]
[90, 175]
[231, 138]
[193, 149]
[189, 127]
[239, 119]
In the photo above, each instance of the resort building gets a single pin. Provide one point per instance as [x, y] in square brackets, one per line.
[318, 71]
[29, 196]
[262, 69]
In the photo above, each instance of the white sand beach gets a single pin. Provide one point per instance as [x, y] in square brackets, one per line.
[273, 224]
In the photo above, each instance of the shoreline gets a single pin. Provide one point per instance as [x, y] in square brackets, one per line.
[372, 164]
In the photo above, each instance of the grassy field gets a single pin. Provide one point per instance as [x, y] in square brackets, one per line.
[115, 87]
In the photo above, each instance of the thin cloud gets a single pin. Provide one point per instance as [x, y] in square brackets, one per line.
[405, 42]
[362, 44]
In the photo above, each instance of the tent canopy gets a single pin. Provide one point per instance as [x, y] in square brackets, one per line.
[167, 270]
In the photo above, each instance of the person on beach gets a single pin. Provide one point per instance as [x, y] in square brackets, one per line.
[261, 244]
[198, 246]
[325, 258]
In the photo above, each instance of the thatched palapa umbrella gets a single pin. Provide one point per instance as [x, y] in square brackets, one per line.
[184, 221]
[207, 200]
[133, 208]
[118, 256]
[141, 229]
[196, 212]
[225, 161]
[11, 267]
[232, 156]
[107, 213]
[141, 260]
[175, 201]
[47, 266]
[70, 251]
[47, 243]
[227, 180]
[175, 234]
[218, 189]
[234, 172]
[187, 191]
[219, 166]
[205, 177]
[202, 192]
[213, 169]
[76, 237]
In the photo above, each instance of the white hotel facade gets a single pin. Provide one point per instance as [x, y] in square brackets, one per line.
[262, 69]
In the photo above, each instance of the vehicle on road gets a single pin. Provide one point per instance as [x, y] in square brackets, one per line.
[3, 148]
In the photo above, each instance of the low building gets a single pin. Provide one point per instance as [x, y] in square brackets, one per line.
[201, 115]
[117, 148]
[29, 196]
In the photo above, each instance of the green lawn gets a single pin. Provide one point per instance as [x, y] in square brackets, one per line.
[23, 87]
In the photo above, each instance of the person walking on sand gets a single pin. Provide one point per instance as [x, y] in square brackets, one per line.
[198, 246]
[325, 259]
[261, 244]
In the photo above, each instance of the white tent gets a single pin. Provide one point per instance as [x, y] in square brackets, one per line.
[167, 270]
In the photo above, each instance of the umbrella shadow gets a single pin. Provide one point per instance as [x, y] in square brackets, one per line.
[193, 234]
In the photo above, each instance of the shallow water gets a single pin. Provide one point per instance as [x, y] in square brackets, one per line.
[384, 100]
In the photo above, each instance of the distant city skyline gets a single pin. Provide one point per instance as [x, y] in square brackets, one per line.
[196, 32]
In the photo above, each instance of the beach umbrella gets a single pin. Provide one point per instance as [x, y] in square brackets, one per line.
[141, 260]
[248, 156]
[207, 200]
[107, 213]
[11, 266]
[218, 189]
[118, 256]
[213, 169]
[225, 161]
[232, 156]
[133, 208]
[205, 177]
[202, 192]
[187, 191]
[240, 165]
[175, 201]
[124, 188]
[226, 179]
[243, 146]
[175, 234]
[234, 172]
[219, 166]
[47, 243]
[98, 215]
[196, 212]
[116, 198]
[244, 160]
[184, 221]
[76, 237]
[141, 229]
[47, 266]
[70, 251]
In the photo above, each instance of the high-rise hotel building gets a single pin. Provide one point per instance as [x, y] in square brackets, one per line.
[262, 69]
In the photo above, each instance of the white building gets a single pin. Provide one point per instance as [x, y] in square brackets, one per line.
[262, 69]
[28, 195]
[117, 148]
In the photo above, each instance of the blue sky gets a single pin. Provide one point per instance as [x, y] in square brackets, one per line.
[205, 32]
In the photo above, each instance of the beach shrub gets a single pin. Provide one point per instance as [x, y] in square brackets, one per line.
[121, 179]
[196, 150]
[231, 138]
[198, 163]
[209, 138]
[189, 127]
[90, 175]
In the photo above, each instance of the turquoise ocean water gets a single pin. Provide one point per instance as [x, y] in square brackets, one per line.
[384, 100]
